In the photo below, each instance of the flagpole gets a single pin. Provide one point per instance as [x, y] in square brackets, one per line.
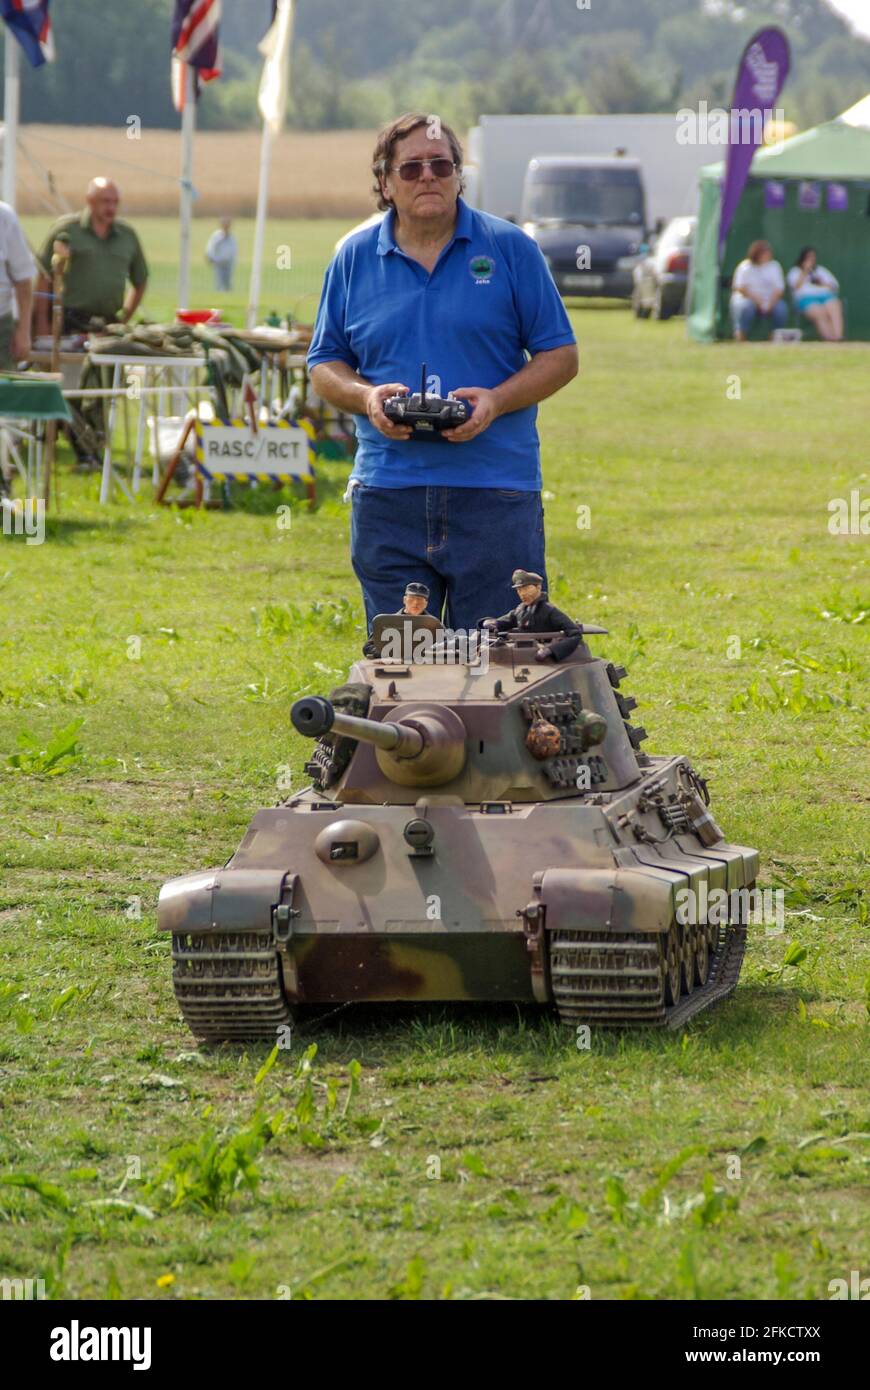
[272, 101]
[188, 126]
[260, 226]
[11, 104]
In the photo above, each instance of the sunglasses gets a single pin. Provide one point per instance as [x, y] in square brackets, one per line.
[411, 169]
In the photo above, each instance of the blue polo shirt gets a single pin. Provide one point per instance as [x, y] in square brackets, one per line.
[488, 302]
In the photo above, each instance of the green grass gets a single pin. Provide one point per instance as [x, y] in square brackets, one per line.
[294, 289]
[612, 1168]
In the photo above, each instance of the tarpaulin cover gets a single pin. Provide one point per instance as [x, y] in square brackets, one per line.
[32, 400]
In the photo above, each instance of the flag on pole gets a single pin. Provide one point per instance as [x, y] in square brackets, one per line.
[761, 74]
[275, 82]
[195, 33]
[29, 22]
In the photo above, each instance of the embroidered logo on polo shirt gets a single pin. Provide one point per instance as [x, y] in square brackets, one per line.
[482, 269]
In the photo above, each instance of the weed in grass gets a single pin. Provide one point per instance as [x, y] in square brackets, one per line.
[49, 1192]
[655, 1206]
[411, 1285]
[849, 898]
[839, 610]
[688, 1278]
[263, 690]
[59, 755]
[794, 699]
[206, 1172]
[286, 620]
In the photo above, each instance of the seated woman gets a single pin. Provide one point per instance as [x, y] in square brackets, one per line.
[757, 290]
[815, 292]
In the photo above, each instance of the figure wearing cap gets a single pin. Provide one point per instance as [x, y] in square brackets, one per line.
[414, 602]
[535, 613]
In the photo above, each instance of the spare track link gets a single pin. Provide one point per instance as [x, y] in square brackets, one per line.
[228, 985]
[618, 979]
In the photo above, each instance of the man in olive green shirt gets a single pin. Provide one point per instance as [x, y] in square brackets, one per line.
[102, 253]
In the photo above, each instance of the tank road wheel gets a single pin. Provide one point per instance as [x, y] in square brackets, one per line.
[672, 966]
[701, 955]
[687, 958]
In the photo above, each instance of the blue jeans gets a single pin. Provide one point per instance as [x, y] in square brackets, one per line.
[744, 314]
[463, 542]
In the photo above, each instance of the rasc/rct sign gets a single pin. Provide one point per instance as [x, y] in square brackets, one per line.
[278, 452]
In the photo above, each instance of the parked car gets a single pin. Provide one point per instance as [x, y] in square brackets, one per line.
[661, 278]
[588, 215]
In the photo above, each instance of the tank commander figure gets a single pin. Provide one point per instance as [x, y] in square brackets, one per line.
[414, 602]
[534, 613]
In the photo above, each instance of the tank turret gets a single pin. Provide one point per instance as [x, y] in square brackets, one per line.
[490, 724]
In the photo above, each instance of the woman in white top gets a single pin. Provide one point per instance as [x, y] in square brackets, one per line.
[757, 290]
[815, 293]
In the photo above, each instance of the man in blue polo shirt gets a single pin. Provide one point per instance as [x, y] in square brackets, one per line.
[471, 295]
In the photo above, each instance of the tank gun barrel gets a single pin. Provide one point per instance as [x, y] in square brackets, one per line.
[424, 748]
[314, 716]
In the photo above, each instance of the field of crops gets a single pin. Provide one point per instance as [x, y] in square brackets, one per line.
[314, 173]
[445, 1151]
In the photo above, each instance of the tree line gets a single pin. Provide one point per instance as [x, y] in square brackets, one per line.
[356, 65]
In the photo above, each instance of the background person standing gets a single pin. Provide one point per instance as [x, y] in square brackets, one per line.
[104, 253]
[222, 252]
[17, 269]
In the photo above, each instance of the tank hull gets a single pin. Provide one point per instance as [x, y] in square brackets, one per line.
[571, 902]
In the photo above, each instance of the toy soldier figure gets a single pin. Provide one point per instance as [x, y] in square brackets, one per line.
[414, 602]
[535, 614]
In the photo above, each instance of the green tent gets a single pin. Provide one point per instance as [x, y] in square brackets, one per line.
[810, 190]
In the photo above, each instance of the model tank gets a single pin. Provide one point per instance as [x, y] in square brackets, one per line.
[481, 825]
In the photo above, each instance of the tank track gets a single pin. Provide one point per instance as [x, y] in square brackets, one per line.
[229, 985]
[630, 979]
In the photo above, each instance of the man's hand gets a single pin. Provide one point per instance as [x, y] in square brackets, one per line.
[485, 409]
[542, 654]
[20, 345]
[391, 429]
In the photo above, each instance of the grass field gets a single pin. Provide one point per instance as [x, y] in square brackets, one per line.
[294, 290]
[478, 1154]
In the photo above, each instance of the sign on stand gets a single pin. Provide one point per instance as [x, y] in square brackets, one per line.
[282, 452]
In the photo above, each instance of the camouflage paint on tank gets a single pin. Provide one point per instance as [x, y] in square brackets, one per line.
[359, 910]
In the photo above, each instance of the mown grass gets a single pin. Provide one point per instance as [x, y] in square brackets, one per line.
[612, 1169]
[294, 255]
